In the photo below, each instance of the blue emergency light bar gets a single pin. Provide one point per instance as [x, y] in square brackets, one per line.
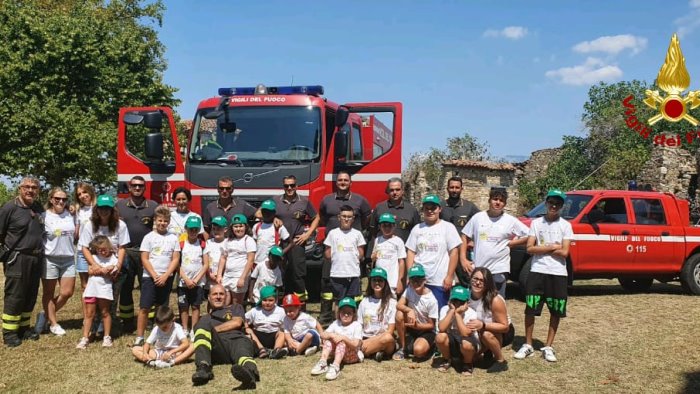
[312, 90]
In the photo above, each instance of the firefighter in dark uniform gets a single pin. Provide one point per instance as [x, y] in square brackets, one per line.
[137, 212]
[404, 212]
[329, 211]
[458, 211]
[219, 338]
[22, 240]
[226, 205]
[294, 210]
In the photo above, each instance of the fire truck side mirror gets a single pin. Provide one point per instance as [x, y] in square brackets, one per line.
[341, 117]
[153, 120]
[341, 145]
[154, 146]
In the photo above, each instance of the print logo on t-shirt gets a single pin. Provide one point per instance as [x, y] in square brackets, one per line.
[403, 224]
[298, 215]
[147, 221]
[157, 251]
[462, 221]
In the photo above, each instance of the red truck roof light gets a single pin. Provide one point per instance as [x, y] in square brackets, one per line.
[312, 90]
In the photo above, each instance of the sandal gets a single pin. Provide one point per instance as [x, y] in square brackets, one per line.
[444, 367]
[262, 353]
[468, 370]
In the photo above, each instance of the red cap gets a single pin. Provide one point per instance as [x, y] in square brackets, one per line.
[291, 300]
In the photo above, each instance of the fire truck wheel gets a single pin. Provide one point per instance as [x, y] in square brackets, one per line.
[690, 275]
[636, 285]
[522, 276]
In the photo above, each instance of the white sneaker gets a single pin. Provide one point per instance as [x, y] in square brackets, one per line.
[310, 350]
[107, 341]
[160, 364]
[525, 351]
[333, 372]
[320, 368]
[82, 345]
[360, 355]
[548, 354]
[57, 330]
[192, 335]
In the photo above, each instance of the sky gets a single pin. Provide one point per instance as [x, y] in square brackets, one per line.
[513, 74]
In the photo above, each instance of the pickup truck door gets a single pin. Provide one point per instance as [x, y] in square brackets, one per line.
[602, 246]
[659, 245]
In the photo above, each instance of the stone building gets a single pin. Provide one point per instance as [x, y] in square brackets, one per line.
[478, 177]
[670, 169]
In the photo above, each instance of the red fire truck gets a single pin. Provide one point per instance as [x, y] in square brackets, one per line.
[257, 136]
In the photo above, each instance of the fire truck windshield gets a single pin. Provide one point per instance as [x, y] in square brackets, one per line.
[257, 136]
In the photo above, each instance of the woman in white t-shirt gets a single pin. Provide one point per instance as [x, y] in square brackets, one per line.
[182, 197]
[59, 252]
[236, 261]
[377, 314]
[84, 202]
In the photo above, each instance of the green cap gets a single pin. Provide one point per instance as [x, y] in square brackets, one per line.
[416, 271]
[268, 205]
[239, 219]
[378, 273]
[432, 199]
[193, 222]
[347, 301]
[276, 251]
[267, 292]
[459, 293]
[387, 218]
[220, 221]
[105, 201]
[556, 193]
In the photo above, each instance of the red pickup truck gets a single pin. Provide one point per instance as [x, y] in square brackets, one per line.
[634, 236]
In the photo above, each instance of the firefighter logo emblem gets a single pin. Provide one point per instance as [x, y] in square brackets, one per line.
[673, 79]
[147, 221]
[228, 316]
[462, 221]
[298, 215]
[403, 224]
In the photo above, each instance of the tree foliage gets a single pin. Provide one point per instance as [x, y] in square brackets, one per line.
[66, 67]
[429, 163]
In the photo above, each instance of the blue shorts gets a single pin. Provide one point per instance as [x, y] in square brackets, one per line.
[442, 296]
[152, 295]
[81, 265]
[316, 341]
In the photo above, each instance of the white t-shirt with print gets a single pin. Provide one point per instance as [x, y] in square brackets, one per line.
[491, 237]
[118, 238]
[177, 224]
[264, 235]
[214, 249]
[368, 315]
[237, 250]
[265, 321]
[299, 327]
[345, 252]
[432, 245]
[160, 248]
[550, 233]
[166, 340]
[83, 215]
[101, 286]
[60, 233]
[424, 305]
[469, 314]
[389, 251]
[265, 277]
[352, 330]
[191, 262]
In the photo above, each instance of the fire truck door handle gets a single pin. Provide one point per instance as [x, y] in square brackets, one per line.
[625, 232]
[664, 233]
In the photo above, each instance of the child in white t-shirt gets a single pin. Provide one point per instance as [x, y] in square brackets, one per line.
[417, 312]
[267, 273]
[265, 233]
[344, 247]
[160, 256]
[302, 332]
[455, 340]
[236, 262]
[377, 313]
[167, 345]
[265, 325]
[190, 289]
[389, 253]
[343, 339]
[214, 248]
[98, 291]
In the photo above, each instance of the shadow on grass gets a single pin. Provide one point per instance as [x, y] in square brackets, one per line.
[519, 340]
[585, 288]
[692, 382]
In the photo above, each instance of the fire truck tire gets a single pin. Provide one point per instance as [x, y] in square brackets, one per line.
[690, 275]
[522, 276]
[636, 285]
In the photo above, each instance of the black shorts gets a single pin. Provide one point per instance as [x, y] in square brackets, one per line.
[509, 336]
[455, 342]
[267, 339]
[413, 335]
[544, 288]
[345, 287]
[187, 297]
[152, 295]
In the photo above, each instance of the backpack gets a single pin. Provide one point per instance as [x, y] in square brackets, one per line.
[256, 230]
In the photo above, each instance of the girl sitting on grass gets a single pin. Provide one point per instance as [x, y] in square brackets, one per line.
[377, 313]
[343, 338]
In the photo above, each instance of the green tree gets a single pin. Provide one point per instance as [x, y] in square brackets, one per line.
[66, 67]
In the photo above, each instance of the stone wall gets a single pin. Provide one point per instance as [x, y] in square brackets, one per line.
[538, 162]
[479, 177]
[670, 170]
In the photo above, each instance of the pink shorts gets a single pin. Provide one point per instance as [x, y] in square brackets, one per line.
[90, 300]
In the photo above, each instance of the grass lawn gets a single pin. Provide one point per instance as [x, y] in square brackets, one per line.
[611, 341]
